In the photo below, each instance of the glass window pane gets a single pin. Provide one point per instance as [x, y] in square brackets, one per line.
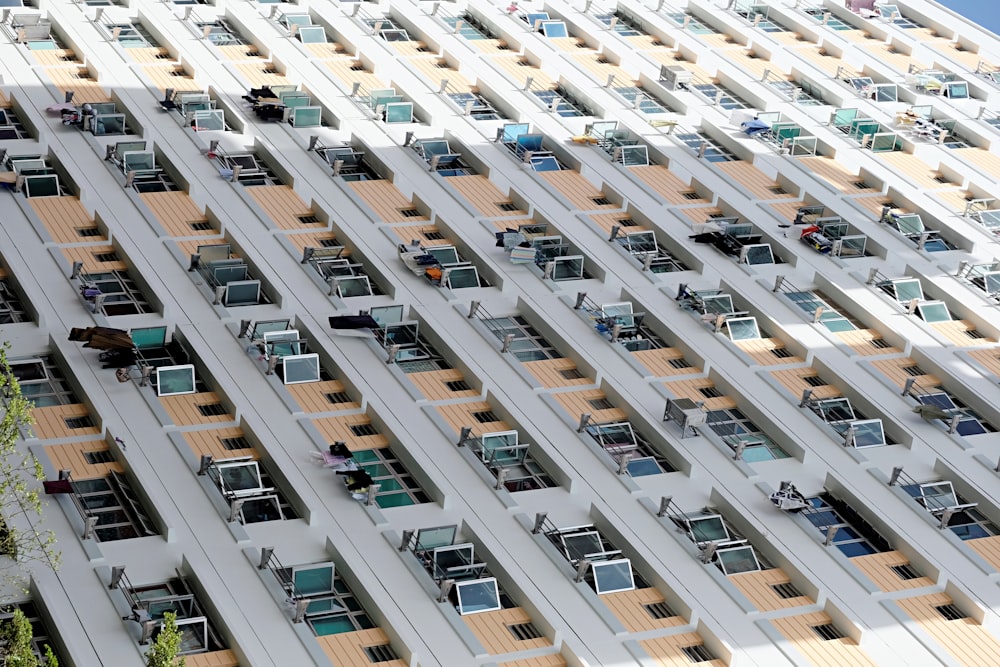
[613, 576]
[477, 596]
[174, 380]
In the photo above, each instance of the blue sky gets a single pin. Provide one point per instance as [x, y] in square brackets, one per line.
[983, 12]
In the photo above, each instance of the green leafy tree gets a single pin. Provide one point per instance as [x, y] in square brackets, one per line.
[24, 542]
[15, 644]
[166, 646]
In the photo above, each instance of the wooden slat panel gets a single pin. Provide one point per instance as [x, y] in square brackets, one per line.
[893, 369]
[957, 52]
[62, 217]
[658, 361]
[483, 195]
[820, 58]
[760, 350]
[609, 220]
[183, 409]
[385, 200]
[490, 628]
[885, 53]
[459, 415]
[822, 653]
[569, 44]
[435, 69]
[432, 384]
[239, 52]
[793, 379]
[282, 205]
[77, 79]
[988, 549]
[70, 457]
[55, 57]
[171, 76]
[210, 443]
[553, 660]
[988, 358]
[787, 209]
[629, 608]
[224, 658]
[339, 428]
[547, 372]
[578, 190]
[346, 649]
[747, 60]
[913, 169]
[148, 54]
[666, 184]
[407, 233]
[982, 158]
[259, 74]
[411, 48]
[831, 171]
[488, 45]
[325, 50]
[955, 331]
[313, 240]
[311, 396]
[690, 389]
[175, 211]
[965, 639]
[878, 568]
[50, 422]
[756, 182]
[860, 341]
[597, 65]
[87, 255]
[578, 402]
[518, 69]
[666, 651]
[758, 587]
[351, 71]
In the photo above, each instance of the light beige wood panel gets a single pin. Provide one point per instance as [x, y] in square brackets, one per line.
[875, 202]
[433, 384]
[176, 212]
[483, 195]
[63, 217]
[645, 42]
[758, 587]
[385, 200]
[701, 213]
[860, 340]
[600, 68]
[55, 57]
[629, 607]
[224, 658]
[568, 44]
[878, 568]
[658, 362]
[91, 263]
[608, 220]
[4, 102]
[312, 396]
[959, 53]
[787, 209]
[50, 422]
[762, 350]
[77, 79]
[260, 74]
[984, 159]
[190, 247]
[517, 68]
[209, 443]
[411, 48]
[749, 61]
[666, 184]
[954, 199]
[435, 69]
[893, 369]
[916, 171]
[553, 660]
[240, 52]
[666, 651]
[183, 409]
[171, 76]
[716, 40]
[71, 457]
[351, 71]
[988, 549]
[853, 35]
[578, 190]
[283, 206]
[492, 631]
[488, 45]
[793, 379]
[339, 428]
[557, 373]
[831, 171]
[419, 233]
[957, 331]
[325, 50]
[821, 653]
[988, 358]
[965, 639]
[886, 53]
[347, 649]
[756, 182]
[460, 415]
[303, 240]
[819, 58]
[577, 403]
[691, 388]
[148, 55]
